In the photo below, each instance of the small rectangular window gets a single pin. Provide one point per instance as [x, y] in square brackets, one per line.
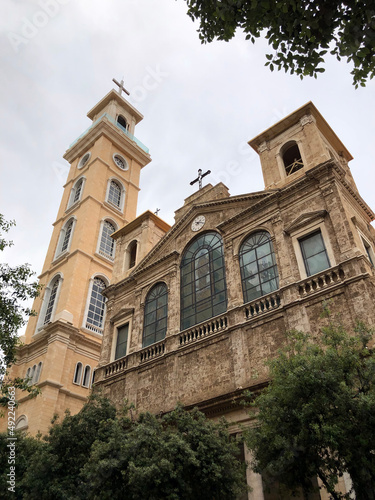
[314, 253]
[369, 251]
[122, 341]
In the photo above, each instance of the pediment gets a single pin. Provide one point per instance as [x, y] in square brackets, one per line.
[123, 313]
[173, 242]
[304, 220]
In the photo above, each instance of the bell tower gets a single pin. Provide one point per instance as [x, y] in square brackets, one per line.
[62, 343]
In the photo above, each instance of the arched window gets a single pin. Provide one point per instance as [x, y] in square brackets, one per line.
[115, 194]
[86, 376]
[203, 287]
[51, 299]
[77, 373]
[259, 274]
[76, 192]
[107, 244]
[121, 121]
[292, 157]
[65, 237]
[156, 313]
[132, 250]
[36, 376]
[95, 313]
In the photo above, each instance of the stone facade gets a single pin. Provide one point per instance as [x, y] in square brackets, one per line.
[211, 363]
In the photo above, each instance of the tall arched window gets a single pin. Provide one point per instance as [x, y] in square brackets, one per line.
[292, 157]
[203, 286]
[77, 374]
[65, 237]
[107, 244]
[156, 313]
[37, 373]
[132, 249]
[95, 313]
[259, 274]
[76, 192]
[51, 299]
[115, 194]
[86, 376]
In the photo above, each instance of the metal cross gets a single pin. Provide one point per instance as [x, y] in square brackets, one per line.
[157, 211]
[121, 86]
[200, 177]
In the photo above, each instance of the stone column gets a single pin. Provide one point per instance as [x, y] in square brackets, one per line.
[254, 480]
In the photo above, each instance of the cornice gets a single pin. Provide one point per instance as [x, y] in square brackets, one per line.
[114, 134]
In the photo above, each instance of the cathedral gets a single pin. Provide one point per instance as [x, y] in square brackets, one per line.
[190, 313]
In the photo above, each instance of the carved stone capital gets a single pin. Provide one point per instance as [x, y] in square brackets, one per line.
[262, 147]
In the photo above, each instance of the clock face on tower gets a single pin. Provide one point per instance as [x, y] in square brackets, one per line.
[198, 223]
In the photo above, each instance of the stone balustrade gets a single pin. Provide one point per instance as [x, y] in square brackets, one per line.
[262, 305]
[117, 366]
[152, 351]
[203, 330]
[320, 281]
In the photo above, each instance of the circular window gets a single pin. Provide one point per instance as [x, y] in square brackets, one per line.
[120, 161]
[85, 158]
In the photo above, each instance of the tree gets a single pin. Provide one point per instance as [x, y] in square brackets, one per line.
[301, 32]
[101, 454]
[15, 288]
[317, 416]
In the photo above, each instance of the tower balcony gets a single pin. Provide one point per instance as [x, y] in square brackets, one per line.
[116, 124]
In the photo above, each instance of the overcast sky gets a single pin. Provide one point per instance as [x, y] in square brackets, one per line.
[201, 104]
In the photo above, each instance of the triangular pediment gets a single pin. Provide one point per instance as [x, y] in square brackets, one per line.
[215, 212]
[304, 220]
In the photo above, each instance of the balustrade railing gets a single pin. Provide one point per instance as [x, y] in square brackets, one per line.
[262, 305]
[94, 328]
[320, 281]
[203, 330]
[152, 352]
[116, 367]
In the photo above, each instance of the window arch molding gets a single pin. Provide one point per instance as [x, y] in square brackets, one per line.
[131, 254]
[203, 291]
[291, 158]
[22, 423]
[155, 317]
[50, 300]
[76, 191]
[106, 246]
[258, 266]
[95, 309]
[65, 238]
[115, 197]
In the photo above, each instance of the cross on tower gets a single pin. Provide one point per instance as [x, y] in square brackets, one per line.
[121, 86]
[157, 211]
[200, 177]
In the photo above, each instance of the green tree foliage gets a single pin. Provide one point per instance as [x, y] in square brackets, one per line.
[98, 454]
[300, 32]
[15, 288]
[25, 448]
[317, 416]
